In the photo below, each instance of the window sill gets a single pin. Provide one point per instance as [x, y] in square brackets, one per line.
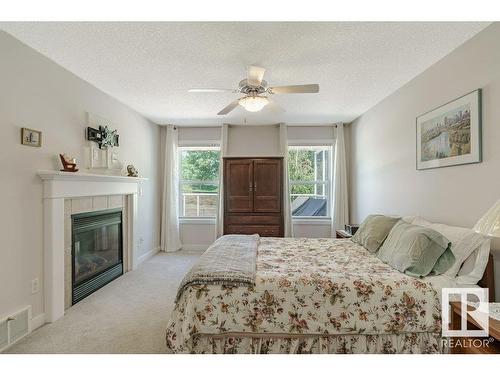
[211, 221]
[312, 220]
[195, 220]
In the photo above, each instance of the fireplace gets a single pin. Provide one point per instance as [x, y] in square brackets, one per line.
[97, 251]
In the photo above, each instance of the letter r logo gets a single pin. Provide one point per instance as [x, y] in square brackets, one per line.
[479, 311]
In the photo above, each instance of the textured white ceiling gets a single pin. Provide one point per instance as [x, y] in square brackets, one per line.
[150, 66]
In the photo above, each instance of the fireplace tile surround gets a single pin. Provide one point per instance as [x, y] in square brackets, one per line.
[66, 193]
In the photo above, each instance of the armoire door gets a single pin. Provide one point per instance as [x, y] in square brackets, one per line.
[238, 185]
[267, 185]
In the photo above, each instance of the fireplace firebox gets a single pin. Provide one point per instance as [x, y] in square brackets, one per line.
[97, 251]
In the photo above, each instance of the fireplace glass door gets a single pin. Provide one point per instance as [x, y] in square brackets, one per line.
[97, 250]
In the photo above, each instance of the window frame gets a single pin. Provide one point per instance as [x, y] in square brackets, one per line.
[196, 147]
[308, 145]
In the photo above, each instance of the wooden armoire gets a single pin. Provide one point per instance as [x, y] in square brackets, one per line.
[253, 191]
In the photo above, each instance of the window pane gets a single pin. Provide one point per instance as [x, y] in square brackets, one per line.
[301, 165]
[199, 174]
[309, 206]
[208, 187]
[301, 189]
[310, 179]
[309, 200]
[199, 165]
[198, 200]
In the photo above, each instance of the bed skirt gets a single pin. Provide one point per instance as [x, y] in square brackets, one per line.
[416, 343]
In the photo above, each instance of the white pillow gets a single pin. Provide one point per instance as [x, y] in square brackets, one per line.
[473, 268]
[409, 219]
[464, 242]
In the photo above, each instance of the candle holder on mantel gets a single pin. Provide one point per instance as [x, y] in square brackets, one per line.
[69, 164]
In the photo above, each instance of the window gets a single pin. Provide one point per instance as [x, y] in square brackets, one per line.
[199, 181]
[309, 174]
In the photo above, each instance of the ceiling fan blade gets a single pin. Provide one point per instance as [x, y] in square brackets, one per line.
[229, 108]
[211, 90]
[273, 106]
[295, 89]
[255, 75]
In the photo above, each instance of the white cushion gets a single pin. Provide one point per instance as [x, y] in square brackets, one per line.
[464, 242]
[472, 269]
[409, 219]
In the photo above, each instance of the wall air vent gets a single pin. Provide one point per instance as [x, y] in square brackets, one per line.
[14, 327]
[4, 335]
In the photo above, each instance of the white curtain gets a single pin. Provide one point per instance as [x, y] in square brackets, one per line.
[287, 211]
[340, 209]
[219, 223]
[170, 235]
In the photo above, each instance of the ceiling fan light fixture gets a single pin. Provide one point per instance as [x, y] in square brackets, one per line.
[253, 103]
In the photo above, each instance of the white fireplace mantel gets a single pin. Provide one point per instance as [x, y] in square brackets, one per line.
[58, 186]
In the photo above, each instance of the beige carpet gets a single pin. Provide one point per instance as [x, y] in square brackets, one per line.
[129, 315]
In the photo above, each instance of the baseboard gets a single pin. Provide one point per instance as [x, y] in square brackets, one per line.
[194, 248]
[37, 322]
[147, 255]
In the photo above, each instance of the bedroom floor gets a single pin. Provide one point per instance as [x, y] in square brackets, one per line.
[129, 315]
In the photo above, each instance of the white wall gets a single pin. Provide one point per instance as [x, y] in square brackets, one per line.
[253, 141]
[383, 174]
[37, 93]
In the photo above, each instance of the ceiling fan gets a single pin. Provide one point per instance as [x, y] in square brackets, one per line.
[255, 91]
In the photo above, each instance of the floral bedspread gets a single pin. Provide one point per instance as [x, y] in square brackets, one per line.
[311, 288]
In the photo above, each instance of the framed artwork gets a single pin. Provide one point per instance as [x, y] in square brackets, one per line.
[113, 160]
[98, 157]
[30, 137]
[450, 134]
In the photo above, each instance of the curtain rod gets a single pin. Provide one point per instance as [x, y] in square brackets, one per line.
[277, 124]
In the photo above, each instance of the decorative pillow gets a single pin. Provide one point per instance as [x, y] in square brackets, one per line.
[416, 250]
[464, 242]
[473, 268]
[373, 231]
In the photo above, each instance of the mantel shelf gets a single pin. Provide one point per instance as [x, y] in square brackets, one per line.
[82, 176]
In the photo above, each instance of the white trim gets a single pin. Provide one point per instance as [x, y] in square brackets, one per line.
[253, 156]
[314, 182]
[81, 176]
[194, 248]
[199, 143]
[70, 185]
[312, 124]
[37, 322]
[148, 255]
[310, 142]
[311, 221]
[197, 220]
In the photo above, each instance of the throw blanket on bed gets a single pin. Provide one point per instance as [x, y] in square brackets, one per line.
[231, 260]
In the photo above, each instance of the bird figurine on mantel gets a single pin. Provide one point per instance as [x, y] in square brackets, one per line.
[132, 171]
[69, 163]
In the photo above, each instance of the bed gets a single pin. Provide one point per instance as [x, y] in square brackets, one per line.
[311, 296]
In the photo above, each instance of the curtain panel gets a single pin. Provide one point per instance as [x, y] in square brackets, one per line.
[170, 235]
[287, 209]
[340, 207]
[219, 221]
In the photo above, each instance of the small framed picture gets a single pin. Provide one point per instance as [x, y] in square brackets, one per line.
[30, 137]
